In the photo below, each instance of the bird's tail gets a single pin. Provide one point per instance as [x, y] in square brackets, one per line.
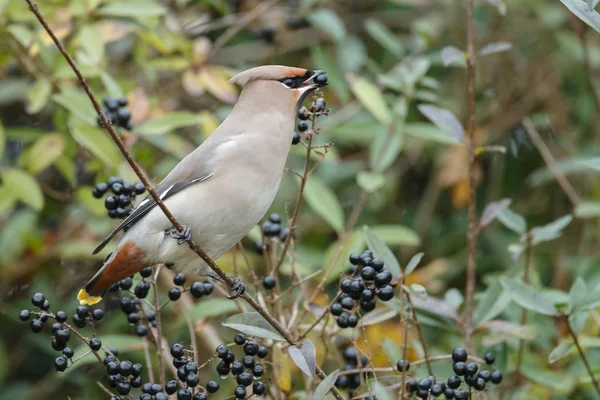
[125, 261]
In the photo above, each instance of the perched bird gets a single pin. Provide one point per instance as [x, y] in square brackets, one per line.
[221, 190]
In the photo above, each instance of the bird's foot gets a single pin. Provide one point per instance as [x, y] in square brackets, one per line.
[183, 236]
[236, 290]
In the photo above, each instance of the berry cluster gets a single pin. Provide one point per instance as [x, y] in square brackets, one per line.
[132, 307]
[187, 374]
[248, 371]
[368, 279]
[273, 229]
[61, 331]
[317, 107]
[119, 203]
[116, 111]
[351, 381]
[125, 375]
[472, 376]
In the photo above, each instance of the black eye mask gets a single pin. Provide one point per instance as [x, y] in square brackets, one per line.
[296, 82]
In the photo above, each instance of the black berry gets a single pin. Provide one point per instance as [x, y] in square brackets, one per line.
[386, 293]
[496, 377]
[239, 339]
[269, 282]
[489, 358]
[459, 354]
[174, 294]
[403, 365]
[38, 300]
[262, 352]
[244, 379]
[240, 392]
[60, 364]
[179, 279]
[212, 387]
[251, 348]
[24, 315]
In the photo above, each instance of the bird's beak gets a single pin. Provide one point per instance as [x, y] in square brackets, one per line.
[317, 79]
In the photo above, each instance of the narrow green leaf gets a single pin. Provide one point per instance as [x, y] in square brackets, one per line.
[328, 22]
[111, 86]
[304, 355]
[384, 37]
[561, 351]
[577, 294]
[371, 98]
[334, 74]
[497, 47]
[443, 119]
[492, 210]
[133, 9]
[45, 151]
[97, 142]
[493, 301]
[325, 385]
[381, 250]
[23, 186]
[166, 123]
[513, 221]
[550, 231]
[354, 242]
[38, 95]
[351, 53]
[453, 56]
[322, 200]
[90, 38]
[587, 209]
[529, 297]
[391, 350]
[370, 182]
[209, 308]
[77, 102]
[385, 148]
[14, 232]
[593, 163]
[583, 12]
[394, 235]
[413, 263]
[429, 132]
[253, 324]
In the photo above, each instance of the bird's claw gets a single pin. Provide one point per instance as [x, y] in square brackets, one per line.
[183, 236]
[236, 290]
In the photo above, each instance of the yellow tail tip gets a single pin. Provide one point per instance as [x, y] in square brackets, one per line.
[86, 300]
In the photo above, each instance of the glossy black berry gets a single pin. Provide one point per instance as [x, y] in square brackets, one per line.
[459, 368]
[177, 350]
[179, 279]
[269, 282]
[383, 278]
[192, 380]
[111, 202]
[251, 348]
[346, 285]
[425, 384]
[61, 316]
[321, 79]
[403, 365]
[171, 387]
[145, 396]
[472, 368]
[123, 387]
[479, 384]
[229, 358]
[342, 382]
[496, 377]
[68, 352]
[262, 352]
[302, 126]
[353, 321]
[223, 368]
[142, 289]
[347, 303]
[112, 368]
[60, 364]
[258, 371]
[454, 382]
[303, 113]
[62, 335]
[296, 138]
[459, 354]
[97, 314]
[37, 325]
[377, 264]
[354, 258]
[141, 330]
[449, 393]
[412, 386]
[342, 321]
[318, 105]
[368, 305]
[38, 300]
[336, 309]
[471, 380]
[146, 272]
[24, 315]
[95, 344]
[385, 293]
[208, 288]
[212, 387]
[200, 396]
[237, 368]
[356, 287]
[197, 289]
[184, 394]
[437, 389]
[139, 188]
[174, 294]
[239, 339]
[221, 350]
[248, 362]
[244, 379]
[368, 273]
[191, 368]
[259, 388]
[460, 395]
[489, 358]
[423, 394]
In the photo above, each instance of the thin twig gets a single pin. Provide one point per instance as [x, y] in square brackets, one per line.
[551, 162]
[582, 354]
[159, 353]
[404, 342]
[583, 37]
[472, 212]
[414, 363]
[148, 360]
[528, 251]
[420, 333]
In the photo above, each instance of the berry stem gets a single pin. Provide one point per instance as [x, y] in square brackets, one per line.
[528, 251]
[148, 359]
[159, 338]
[582, 354]
[472, 230]
[420, 333]
[412, 363]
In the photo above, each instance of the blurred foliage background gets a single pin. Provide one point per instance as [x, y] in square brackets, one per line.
[385, 58]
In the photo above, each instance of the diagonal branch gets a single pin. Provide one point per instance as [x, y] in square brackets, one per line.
[138, 171]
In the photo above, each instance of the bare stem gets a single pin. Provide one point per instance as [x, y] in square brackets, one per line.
[528, 251]
[583, 356]
[420, 333]
[472, 227]
[159, 353]
[414, 363]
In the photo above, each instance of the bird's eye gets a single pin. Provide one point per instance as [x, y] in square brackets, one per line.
[289, 82]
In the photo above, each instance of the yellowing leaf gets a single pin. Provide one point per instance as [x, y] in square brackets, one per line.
[193, 82]
[215, 82]
[282, 370]
[23, 186]
[45, 151]
[370, 97]
[168, 122]
[38, 95]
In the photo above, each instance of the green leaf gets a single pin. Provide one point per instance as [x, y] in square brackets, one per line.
[23, 186]
[209, 308]
[371, 98]
[577, 294]
[111, 86]
[550, 231]
[14, 233]
[77, 102]
[528, 297]
[391, 350]
[97, 142]
[396, 235]
[378, 316]
[493, 301]
[560, 382]
[45, 151]
[328, 22]
[593, 163]
[85, 197]
[583, 12]
[429, 132]
[325, 385]
[354, 242]
[381, 387]
[561, 351]
[166, 123]
[304, 355]
[133, 9]
[38, 95]
[589, 301]
[322, 200]
[513, 221]
[382, 392]
[334, 74]
[443, 119]
[370, 182]
[2, 138]
[497, 47]
[21, 34]
[351, 54]
[413, 263]
[587, 209]
[381, 250]
[492, 210]
[384, 37]
[253, 324]
[506, 328]
[453, 56]
[385, 148]
[90, 38]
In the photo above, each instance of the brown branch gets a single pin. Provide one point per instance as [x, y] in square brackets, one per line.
[159, 355]
[582, 354]
[583, 37]
[414, 363]
[472, 224]
[193, 245]
[420, 333]
[528, 251]
[551, 162]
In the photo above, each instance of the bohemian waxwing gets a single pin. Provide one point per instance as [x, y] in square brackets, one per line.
[221, 190]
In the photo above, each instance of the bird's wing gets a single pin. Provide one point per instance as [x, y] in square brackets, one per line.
[164, 191]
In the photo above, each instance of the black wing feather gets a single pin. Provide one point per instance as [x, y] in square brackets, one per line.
[146, 206]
